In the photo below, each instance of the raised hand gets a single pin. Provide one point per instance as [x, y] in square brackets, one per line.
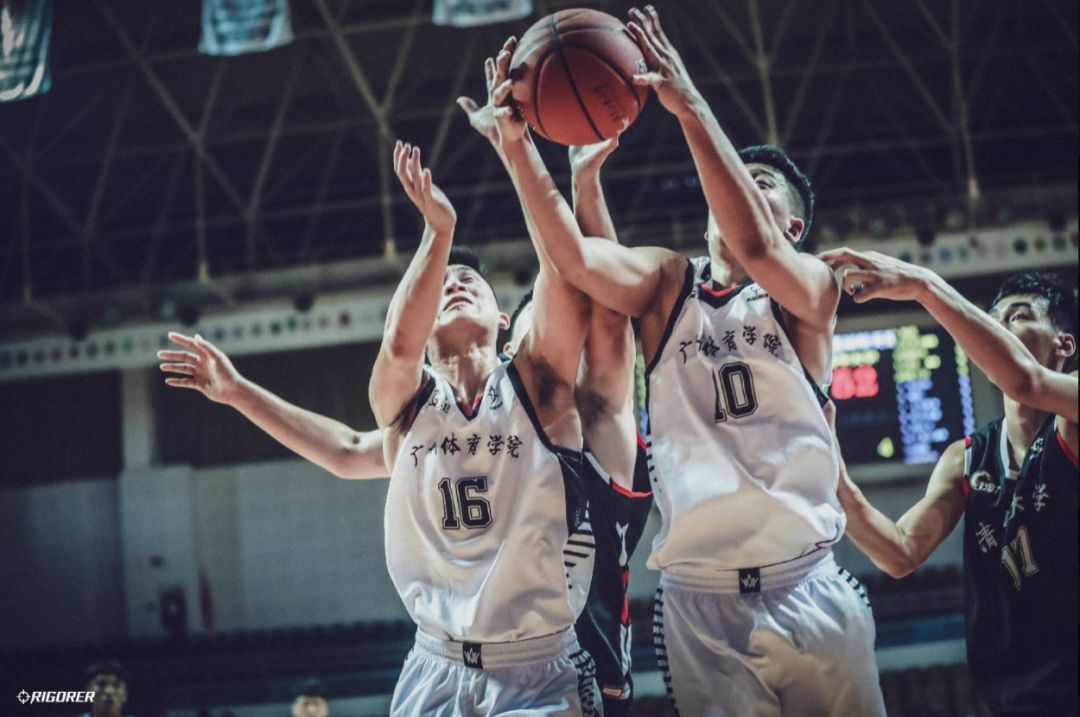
[482, 119]
[204, 367]
[508, 119]
[586, 160]
[872, 275]
[667, 74]
[435, 207]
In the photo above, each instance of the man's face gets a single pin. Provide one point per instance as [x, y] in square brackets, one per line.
[1027, 317]
[772, 183]
[110, 695]
[305, 706]
[467, 297]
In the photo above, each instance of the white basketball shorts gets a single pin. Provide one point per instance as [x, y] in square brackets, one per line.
[549, 676]
[793, 640]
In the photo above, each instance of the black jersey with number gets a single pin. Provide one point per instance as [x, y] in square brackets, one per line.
[618, 519]
[1020, 565]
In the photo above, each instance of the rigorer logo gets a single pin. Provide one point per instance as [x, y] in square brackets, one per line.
[470, 653]
[53, 698]
[749, 580]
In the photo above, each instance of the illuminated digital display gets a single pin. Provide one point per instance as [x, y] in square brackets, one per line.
[901, 394]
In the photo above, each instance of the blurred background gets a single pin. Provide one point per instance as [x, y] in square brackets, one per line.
[155, 176]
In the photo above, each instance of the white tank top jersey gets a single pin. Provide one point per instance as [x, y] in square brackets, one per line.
[486, 524]
[744, 470]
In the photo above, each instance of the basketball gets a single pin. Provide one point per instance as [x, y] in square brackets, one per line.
[573, 75]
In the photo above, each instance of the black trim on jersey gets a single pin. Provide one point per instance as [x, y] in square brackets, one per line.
[526, 403]
[820, 393]
[676, 310]
[717, 298]
[414, 406]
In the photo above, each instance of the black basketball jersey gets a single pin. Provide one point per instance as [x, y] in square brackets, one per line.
[618, 519]
[1020, 566]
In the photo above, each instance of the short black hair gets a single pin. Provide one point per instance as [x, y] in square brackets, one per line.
[802, 198]
[525, 301]
[311, 688]
[1059, 294]
[106, 667]
[467, 257]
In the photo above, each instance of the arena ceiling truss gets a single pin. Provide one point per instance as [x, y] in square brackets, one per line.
[151, 174]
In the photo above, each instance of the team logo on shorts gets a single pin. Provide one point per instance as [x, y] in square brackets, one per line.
[749, 580]
[470, 653]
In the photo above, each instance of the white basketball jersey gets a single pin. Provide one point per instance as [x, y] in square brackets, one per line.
[745, 473]
[487, 530]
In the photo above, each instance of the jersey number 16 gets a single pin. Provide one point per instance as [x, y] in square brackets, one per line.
[468, 508]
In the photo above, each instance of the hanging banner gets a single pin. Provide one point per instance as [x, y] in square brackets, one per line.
[237, 27]
[25, 27]
[470, 13]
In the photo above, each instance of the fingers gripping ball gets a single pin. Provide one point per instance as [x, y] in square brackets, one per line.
[573, 75]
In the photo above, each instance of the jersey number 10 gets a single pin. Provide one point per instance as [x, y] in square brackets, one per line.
[735, 395]
[470, 509]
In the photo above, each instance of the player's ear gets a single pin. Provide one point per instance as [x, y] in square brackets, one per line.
[795, 229]
[508, 348]
[504, 322]
[1066, 345]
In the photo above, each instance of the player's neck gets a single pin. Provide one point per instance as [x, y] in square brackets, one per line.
[723, 270]
[1022, 423]
[467, 369]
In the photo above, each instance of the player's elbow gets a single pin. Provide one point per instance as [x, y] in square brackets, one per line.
[900, 568]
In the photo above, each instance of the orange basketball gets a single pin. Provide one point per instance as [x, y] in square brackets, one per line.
[572, 73]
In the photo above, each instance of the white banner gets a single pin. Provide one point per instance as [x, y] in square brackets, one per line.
[25, 27]
[237, 27]
[470, 13]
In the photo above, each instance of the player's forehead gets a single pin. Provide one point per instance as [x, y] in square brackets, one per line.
[757, 169]
[462, 271]
[1018, 302]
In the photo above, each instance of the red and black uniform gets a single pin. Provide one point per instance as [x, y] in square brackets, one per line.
[618, 518]
[1020, 566]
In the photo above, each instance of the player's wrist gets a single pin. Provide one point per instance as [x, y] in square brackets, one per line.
[688, 105]
[928, 286]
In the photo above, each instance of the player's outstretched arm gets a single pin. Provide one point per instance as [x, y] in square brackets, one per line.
[798, 282]
[327, 443]
[629, 281]
[899, 547]
[398, 371]
[590, 206]
[994, 349]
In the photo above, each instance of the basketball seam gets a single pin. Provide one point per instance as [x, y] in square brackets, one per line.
[615, 68]
[573, 85]
[524, 50]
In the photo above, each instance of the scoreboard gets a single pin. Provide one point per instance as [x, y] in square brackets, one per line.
[901, 394]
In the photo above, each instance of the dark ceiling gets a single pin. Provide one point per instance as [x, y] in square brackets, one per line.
[149, 165]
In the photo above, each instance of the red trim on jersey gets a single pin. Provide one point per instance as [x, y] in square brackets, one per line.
[629, 493]
[967, 447]
[624, 618]
[641, 442]
[1065, 448]
[471, 414]
[713, 292]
